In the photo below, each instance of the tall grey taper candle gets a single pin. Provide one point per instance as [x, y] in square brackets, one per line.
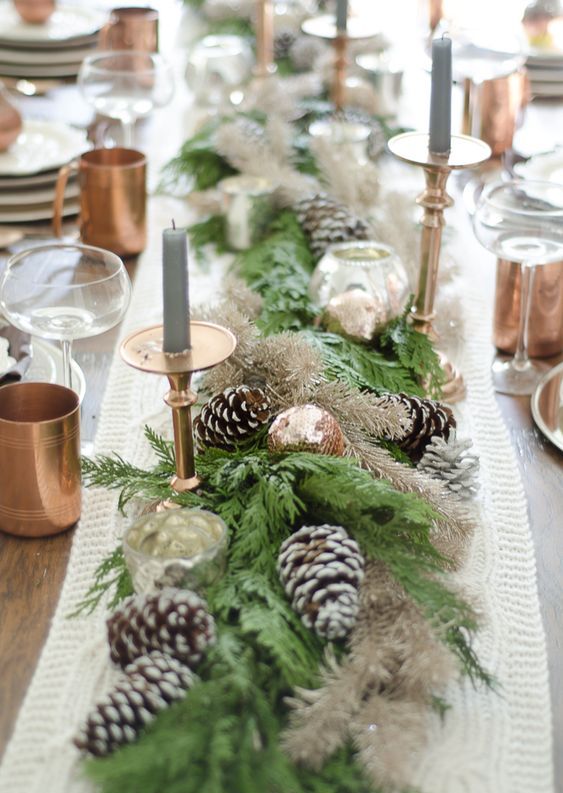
[441, 97]
[341, 16]
[175, 291]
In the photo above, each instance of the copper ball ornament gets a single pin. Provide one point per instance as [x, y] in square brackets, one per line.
[355, 314]
[34, 12]
[306, 428]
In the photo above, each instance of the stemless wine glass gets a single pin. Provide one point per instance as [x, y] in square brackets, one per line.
[521, 221]
[126, 85]
[65, 292]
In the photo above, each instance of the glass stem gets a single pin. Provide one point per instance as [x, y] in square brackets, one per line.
[67, 360]
[128, 131]
[521, 360]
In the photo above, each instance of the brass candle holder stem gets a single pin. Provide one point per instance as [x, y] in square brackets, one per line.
[466, 152]
[211, 345]
[340, 64]
[264, 38]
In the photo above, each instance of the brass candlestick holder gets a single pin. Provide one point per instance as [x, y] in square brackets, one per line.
[324, 27]
[466, 152]
[265, 65]
[211, 345]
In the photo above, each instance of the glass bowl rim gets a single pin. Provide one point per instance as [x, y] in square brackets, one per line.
[484, 198]
[113, 257]
[90, 62]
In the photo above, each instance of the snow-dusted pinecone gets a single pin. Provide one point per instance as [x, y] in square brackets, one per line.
[325, 221]
[376, 141]
[321, 569]
[428, 420]
[305, 51]
[232, 416]
[451, 462]
[282, 43]
[174, 621]
[149, 685]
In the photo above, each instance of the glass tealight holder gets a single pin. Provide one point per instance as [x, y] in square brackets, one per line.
[362, 264]
[247, 203]
[184, 548]
[348, 137]
[217, 68]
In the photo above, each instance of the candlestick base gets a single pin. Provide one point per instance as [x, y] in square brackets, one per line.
[211, 345]
[465, 152]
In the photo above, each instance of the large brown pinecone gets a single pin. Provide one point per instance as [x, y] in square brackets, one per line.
[174, 621]
[429, 420]
[232, 416]
[149, 685]
[326, 221]
[321, 569]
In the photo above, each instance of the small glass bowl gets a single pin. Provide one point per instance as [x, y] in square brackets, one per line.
[184, 548]
[361, 264]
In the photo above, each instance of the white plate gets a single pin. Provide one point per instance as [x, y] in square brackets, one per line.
[47, 178]
[324, 27]
[544, 167]
[546, 90]
[58, 70]
[25, 198]
[47, 366]
[68, 22]
[44, 57]
[36, 212]
[42, 146]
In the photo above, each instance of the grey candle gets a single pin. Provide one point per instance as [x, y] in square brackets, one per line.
[441, 97]
[341, 16]
[175, 291]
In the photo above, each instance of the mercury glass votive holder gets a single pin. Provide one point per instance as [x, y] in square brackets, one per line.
[384, 72]
[248, 208]
[350, 138]
[217, 67]
[184, 548]
[362, 264]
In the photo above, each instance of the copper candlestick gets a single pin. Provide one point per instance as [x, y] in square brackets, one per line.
[265, 65]
[324, 27]
[466, 152]
[211, 345]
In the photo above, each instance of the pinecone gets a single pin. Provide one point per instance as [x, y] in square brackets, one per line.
[429, 419]
[377, 141]
[305, 51]
[451, 462]
[174, 621]
[149, 685]
[282, 44]
[326, 221]
[232, 416]
[321, 569]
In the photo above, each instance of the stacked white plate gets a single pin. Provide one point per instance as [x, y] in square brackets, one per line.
[54, 49]
[29, 170]
[545, 64]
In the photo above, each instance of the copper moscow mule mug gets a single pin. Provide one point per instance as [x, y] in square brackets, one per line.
[113, 197]
[131, 28]
[545, 334]
[39, 459]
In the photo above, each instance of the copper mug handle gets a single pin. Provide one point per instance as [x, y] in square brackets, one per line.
[58, 203]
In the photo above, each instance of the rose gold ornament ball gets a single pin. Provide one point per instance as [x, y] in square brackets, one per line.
[306, 428]
[355, 314]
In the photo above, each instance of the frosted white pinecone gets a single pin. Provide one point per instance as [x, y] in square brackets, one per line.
[305, 51]
[321, 569]
[150, 684]
[452, 463]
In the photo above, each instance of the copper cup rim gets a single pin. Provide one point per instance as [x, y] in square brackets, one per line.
[146, 12]
[62, 390]
[132, 158]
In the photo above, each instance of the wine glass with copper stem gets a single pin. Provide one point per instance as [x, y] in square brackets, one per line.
[521, 221]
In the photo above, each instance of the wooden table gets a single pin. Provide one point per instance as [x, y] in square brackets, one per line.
[32, 571]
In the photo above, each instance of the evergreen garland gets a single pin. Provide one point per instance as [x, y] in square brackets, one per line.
[225, 734]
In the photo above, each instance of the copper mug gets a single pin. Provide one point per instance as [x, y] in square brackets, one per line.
[113, 197]
[545, 334]
[494, 108]
[131, 28]
[39, 459]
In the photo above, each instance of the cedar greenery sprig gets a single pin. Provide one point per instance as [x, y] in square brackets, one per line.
[198, 160]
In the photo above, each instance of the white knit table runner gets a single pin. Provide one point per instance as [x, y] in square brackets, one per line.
[489, 743]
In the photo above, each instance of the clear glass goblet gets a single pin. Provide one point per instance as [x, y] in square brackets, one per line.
[64, 292]
[521, 221]
[126, 85]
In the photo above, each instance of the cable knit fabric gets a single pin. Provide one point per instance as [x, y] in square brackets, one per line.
[489, 743]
